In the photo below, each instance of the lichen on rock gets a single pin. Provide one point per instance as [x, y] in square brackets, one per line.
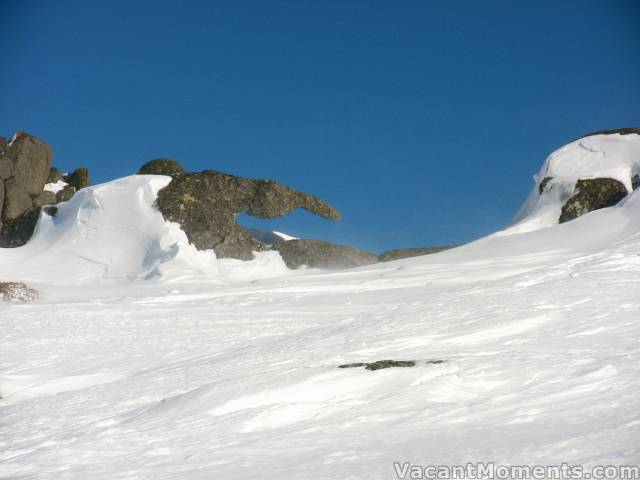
[592, 194]
[161, 166]
[207, 206]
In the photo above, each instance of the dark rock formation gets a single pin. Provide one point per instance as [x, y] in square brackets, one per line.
[78, 179]
[635, 182]
[161, 166]
[25, 163]
[621, 131]
[207, 206]
[55, 175]
[18, 231]
[319, 254]
[592, 194]
[25, 168]
[45, 198]
[65, 194]
[31, 159]
[398, 254]
[381, 364]
[16, 199]
[51, 210]
[543, 184]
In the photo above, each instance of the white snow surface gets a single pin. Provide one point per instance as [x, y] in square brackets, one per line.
[55, 187]
[144, 358]
[608, 156]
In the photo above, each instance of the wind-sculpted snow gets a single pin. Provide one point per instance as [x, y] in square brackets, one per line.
[598, 156]
[109, 233]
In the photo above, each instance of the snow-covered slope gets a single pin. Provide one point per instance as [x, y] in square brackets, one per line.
[191, 376]
[610, 156]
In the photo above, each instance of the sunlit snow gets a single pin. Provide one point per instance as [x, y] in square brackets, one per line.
[145, 358]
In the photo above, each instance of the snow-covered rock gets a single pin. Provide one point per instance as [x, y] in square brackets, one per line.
[613, 156]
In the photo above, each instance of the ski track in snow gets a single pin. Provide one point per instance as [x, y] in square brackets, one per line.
[231, 372]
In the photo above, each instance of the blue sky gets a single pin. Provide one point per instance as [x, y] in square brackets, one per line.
[422, 122]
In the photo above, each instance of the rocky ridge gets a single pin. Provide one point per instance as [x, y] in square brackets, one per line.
[207, 205]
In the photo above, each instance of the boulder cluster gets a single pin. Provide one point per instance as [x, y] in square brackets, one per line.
[25, 169]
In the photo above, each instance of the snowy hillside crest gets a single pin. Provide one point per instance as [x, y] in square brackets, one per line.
[114, 231]
[612, 157]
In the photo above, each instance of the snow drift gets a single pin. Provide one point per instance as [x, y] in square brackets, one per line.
[106, 232]
[613, 156]
[112, 232]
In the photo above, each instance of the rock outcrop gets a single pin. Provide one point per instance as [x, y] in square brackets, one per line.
[78, 179]
[207, 206]
[401, 253]
[592, 194]
[567, 181]
[161, 166]
[55, 175]
[319, 254]
[25, 163]
[25, 168]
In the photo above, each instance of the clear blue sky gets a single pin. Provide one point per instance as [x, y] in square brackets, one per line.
[422, 122]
